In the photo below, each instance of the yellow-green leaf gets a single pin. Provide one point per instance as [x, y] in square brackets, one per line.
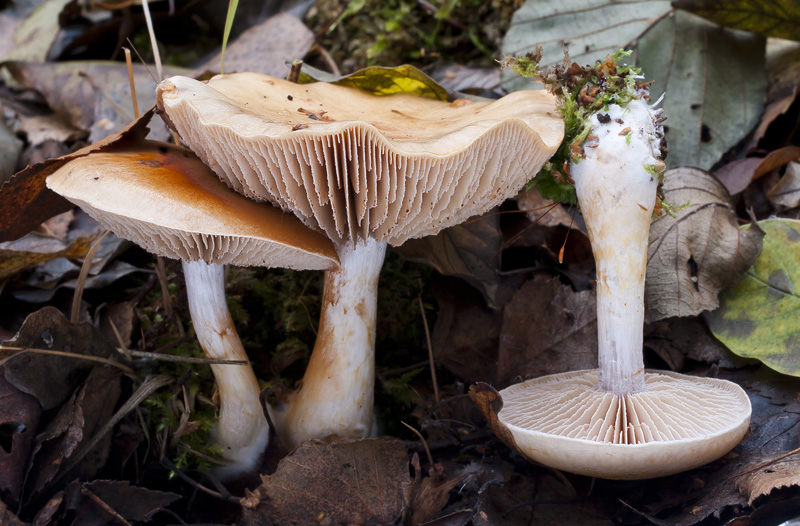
[760, 316]
[769, 18]
[380, 80]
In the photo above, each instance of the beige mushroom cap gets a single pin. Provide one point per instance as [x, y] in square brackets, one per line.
[358, 165]
[166, 200]
[679, 423]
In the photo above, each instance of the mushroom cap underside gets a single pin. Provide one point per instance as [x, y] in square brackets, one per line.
[354, 164]
[166, 200]
[678, 423]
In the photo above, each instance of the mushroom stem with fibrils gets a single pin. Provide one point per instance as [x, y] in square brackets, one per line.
[619, 421]
[166, 200]
[367, 171]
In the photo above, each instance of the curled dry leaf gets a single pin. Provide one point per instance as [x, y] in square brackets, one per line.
[19, 418]
[768, 477]
[132, 503]
[699, 252]
[490, 403]
[363, 482]
[737, 175]
[787, 191]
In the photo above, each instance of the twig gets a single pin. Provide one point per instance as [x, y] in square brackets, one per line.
[87, 265]
[105, 507]
[294, 73]
[122, 346]
[131, 82]
[88, 357]
[151, 31]
[182, 359]
[161, 272]
[424, 442]
[328, 59]
[167, 463]
[765, 464]
[430, 350]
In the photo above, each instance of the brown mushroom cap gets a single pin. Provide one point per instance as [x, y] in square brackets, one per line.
[680, 422]
[354, 164]
[165, 199]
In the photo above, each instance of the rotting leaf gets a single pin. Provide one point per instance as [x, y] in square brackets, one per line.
[699, 252]
[25, 200]
[757, 318]
[132, 503]
[19, 418]
[51, 379]
[490, 403]
[769, 18]
[547, 328]
[35, 35]
[470, 251]
[363, 482]
[7, 517]
[380, 80]
[762, 481]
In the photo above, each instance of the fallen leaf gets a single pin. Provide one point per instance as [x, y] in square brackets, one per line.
[114, 271]
[13, 260]
[697, 64]
[489, 403]
[758, 317]
[432, 496]
[10, 148]
[7, 517]
[542, 211]
[51, 127]
[132, 503]
[51, 379]
[466, 333]
[769, 18]
[458, 78]
[265, 47]
[699, 252]
[93, 96]
[363, 482]
[547, 328]
[381, 80]
[737, 175]
[35, 35]
[787, 191]
[470, 251]
[772, 476]
[19, 418]
[25, 200]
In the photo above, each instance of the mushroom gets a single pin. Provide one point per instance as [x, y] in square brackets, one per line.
[621, 422]
[367, 171]
[166, 200]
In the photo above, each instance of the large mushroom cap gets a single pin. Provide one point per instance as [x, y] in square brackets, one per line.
[680, 422]
[358, 165]
[166, 200]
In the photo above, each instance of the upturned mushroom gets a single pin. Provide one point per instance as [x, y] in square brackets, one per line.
[367, 171]
[620, 422]
[166, 200]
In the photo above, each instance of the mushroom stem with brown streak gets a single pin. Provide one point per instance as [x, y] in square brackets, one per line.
[167, 201]
[368, 171]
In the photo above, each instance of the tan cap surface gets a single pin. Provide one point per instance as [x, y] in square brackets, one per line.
[357, 165]
[680, 422]
[166, 200]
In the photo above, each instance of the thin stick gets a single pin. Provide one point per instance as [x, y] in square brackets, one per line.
[142, 61]
[161, 272]
[87, 265]
[769, 462]
[294, 73]
[183, 359]
[328, 59]
[121, 343]
[105, 507]
[156, 55]
[430, 350]
[65, 354]
[131, 82]
[167, 463]
[424, 442]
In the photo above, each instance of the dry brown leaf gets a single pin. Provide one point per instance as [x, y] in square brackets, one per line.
[364, 482]
[14, 261]
[773, 476]
[542, 211]
[737, 175]
[547, 328]
[25, 200]
[787, 191]
[132, 503]
[694, 255]
[19, 418]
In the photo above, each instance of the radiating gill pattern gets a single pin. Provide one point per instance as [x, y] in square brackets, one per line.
[671, 408]
[354, 184]
[196, 246]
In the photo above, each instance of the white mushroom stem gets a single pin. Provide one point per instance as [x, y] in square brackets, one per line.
[617, 192]
[337, 391]
[241, 430]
